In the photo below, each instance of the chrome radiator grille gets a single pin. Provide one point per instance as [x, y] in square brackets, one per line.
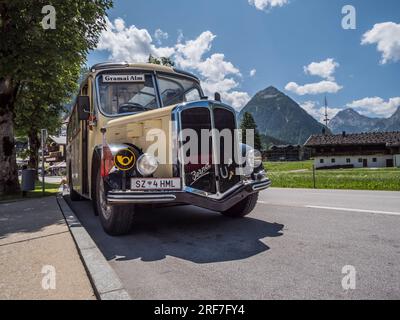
[211, 169]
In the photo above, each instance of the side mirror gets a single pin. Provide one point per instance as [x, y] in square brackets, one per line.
[217, 97]
[83, 104]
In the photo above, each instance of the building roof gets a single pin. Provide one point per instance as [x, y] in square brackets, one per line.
[59, 140]
[284, 146]
[390, 139]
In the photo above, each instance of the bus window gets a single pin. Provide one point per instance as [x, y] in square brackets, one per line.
[175, 90]
[127, 97]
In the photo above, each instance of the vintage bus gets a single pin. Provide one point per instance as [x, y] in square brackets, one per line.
[121, 112]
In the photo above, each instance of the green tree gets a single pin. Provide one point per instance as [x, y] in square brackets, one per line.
[248, 123]
[43, 106]
[164, 61]
[34, 57]
[30, 120]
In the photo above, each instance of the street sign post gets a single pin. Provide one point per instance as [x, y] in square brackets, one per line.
[43, 138]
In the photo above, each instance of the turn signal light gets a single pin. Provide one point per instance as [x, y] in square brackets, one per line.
[107, 161]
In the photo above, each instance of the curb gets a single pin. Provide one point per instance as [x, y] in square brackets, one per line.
[105, 282]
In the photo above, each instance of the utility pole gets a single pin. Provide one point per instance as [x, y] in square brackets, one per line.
[326, 120]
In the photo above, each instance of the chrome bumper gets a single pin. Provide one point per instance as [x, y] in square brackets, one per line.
[184, 197]
[129, 197]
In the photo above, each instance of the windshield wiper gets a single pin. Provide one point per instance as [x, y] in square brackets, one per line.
[131, 106]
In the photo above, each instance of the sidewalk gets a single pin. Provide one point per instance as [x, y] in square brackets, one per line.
[33, 234]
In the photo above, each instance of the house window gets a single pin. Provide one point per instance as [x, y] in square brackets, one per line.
[360, 160]
[333, 160]
[348, 160]
[375, 160]
[321, 161]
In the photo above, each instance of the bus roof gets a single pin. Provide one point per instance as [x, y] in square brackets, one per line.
[142, 66]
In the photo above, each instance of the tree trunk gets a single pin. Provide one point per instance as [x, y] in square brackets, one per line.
[9, 183]
[34, 146]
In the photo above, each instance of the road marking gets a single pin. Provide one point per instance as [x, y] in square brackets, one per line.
[338, 209]
[355, 210]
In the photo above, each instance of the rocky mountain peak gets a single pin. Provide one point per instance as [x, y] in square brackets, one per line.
[351, 121]
[280, 117]
[268, 93]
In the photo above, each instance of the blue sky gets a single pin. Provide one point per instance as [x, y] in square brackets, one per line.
[223, 41]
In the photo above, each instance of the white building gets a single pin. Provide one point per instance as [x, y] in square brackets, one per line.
[364, 150]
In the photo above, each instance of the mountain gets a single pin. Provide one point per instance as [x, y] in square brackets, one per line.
[393, 123]
[351, 121]
[279, 117]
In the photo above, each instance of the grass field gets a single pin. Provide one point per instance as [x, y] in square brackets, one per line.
[51, 189]
[299, 175]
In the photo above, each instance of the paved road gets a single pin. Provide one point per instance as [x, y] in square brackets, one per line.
[293, 246]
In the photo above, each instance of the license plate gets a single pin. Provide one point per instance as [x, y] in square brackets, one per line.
[155, 184]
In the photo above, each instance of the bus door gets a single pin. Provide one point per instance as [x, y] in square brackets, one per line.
[84, 147]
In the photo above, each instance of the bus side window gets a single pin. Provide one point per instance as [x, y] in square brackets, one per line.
[85, 89]
[86, 92]
[73, 124]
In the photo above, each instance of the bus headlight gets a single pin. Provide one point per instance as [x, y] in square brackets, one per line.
[254, 158]
[147, 165]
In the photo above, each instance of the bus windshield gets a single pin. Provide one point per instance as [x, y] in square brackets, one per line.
[124, 93]
[132, 93]
[174, 90]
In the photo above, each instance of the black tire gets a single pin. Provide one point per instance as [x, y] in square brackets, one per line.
[74, 196]
[116, 220]
[243, 208]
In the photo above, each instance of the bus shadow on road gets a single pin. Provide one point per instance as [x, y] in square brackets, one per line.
[189, 233]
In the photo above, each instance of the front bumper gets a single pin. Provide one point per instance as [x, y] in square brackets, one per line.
[187, 197]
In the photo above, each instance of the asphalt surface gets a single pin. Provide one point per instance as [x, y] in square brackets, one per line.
[293, 246]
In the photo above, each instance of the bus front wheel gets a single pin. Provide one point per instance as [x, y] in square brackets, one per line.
[116, 220]
[243, 208]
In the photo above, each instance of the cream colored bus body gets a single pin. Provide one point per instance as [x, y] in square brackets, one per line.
[131, 128]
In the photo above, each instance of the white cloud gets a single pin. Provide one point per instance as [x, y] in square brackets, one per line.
[135, 45]
[129, 43]
[190, 53]
[216, 68]
[386, 36]
[253, 72]
[216, 73]
[236, 99]
[181, 36]
[376, 106]
[265, 5]
[313, 88]
[160, 35]
[324, 69]
[314, 109]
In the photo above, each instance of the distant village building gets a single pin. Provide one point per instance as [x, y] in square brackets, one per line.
[56, 149]
[364, 150]
[286, 153]
[55, 152]
[55, 155]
